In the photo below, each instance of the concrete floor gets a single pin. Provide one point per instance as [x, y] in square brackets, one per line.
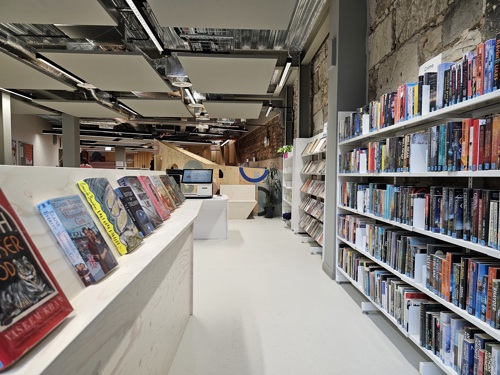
[262, 305]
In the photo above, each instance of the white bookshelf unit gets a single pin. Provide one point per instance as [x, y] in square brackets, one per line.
[356, 243]
[287, 185]
[312, 190]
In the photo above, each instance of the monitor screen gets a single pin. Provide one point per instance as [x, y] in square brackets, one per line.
[197, 176]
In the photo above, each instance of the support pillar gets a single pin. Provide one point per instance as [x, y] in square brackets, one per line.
[71, 141]
[5, 129]
[120, 157]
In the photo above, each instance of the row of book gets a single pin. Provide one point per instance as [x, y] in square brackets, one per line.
[32, 302]
[463, 213]
[128, 214]
[476, 74]
[469, 145]
[465, 279]
[459, 344]
[314, 187]
[314, 167]
[313, 207]
[315, 147]
[313, 227]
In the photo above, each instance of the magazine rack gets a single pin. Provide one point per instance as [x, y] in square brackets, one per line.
[133, 320]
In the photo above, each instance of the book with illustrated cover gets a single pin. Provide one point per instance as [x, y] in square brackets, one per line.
[155, 197]
[73, 227]
[111, 213]
[165, 179]
[32, 303]
[143, 198]
[134, 209]
[164, 194]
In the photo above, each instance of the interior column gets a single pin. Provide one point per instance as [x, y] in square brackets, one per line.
[120, 157]
[5, 130]
[71, 141]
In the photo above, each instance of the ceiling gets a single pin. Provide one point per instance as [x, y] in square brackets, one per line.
[134, 71]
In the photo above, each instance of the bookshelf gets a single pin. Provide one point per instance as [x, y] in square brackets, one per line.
[312, 191]
[371, 202]
[287, 186]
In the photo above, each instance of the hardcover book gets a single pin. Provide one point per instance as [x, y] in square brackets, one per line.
[32, 303]
[164, 194]
[111, 213]
[143, 198]
[73, 228]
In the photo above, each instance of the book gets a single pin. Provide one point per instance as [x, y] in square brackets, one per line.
[32, 302]
[110, 211]
[174, 194]
[69, 214]
[134, 209]
[164, 194]
[155, 197]
[143, 198]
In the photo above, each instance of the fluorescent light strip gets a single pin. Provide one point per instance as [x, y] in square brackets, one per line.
[224, 143]
[285, 73]
[269, 109]
[15, 93]
[145, 25]
[46, 62]
[128, 109]
[190, 96]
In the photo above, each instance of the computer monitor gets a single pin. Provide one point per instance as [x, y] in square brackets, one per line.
[197, 183]
[197, 176]
[176, 174]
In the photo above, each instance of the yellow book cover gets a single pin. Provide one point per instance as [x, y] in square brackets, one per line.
[111, 213]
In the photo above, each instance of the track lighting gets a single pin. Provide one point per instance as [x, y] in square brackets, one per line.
[190, 96]
[15, 93]
[269, 109]
[145, 25]
[284, 75]
[224, 143]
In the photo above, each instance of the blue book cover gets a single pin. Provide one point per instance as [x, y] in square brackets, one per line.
[468, 356]
[74, 229]
[489, 64]
[481, 286]
[442, 149]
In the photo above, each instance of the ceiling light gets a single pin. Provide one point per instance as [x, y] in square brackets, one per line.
[53, 66]
[188, 142]
[128, 109]
[269, 109]
[15, 93]
[285, 71]
[224, 143]
[145, 25]
[190, 96]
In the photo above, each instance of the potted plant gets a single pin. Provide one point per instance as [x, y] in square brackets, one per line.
[273, 197]
[285, 150]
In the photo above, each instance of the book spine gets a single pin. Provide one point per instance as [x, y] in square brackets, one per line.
[480, 69]
[487, 143]
[481, 146]
[464, 159]
[496, 67]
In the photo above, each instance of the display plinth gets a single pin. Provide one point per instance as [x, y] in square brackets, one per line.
[133, 320]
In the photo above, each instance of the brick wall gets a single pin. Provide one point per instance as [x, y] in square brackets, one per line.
[404, 34]
[252, 144]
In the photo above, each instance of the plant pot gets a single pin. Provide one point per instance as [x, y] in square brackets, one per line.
[269, 212]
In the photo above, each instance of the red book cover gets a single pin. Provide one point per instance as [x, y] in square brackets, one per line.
[32, 303]
[480, 69]
[160, 207]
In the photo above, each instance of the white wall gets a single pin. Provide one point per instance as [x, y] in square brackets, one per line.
[28, 129]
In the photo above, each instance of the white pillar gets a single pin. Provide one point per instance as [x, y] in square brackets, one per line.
[71, 141]
[5, 129]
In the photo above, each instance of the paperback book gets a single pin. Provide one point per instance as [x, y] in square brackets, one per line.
[73, 228]
[111, 213]
[32, 303]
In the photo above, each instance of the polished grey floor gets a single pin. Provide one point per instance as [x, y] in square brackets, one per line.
[262, 305]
